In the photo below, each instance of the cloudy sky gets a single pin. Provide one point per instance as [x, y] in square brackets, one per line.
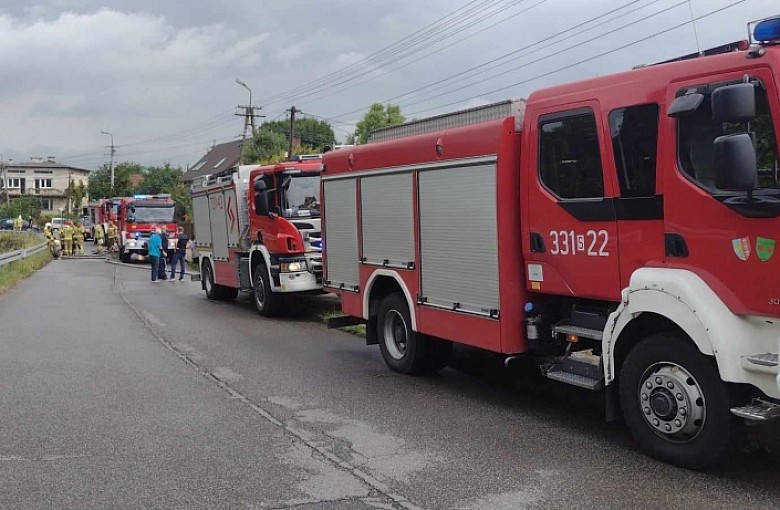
[161, 76]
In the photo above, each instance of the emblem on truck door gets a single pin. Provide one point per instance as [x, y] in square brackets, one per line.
[741, 248]
[765, 248]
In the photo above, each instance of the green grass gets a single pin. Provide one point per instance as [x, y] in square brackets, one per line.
[359, 330]
[10, 241]
[15, 271]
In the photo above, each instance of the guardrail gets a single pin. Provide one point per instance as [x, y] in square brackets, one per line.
[13, 256]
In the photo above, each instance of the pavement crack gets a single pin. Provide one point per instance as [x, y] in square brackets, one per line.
[374, 484]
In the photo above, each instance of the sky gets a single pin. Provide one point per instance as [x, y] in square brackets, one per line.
[161, 76]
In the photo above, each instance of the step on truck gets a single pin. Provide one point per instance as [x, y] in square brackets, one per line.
[257, 229]
[621, 231]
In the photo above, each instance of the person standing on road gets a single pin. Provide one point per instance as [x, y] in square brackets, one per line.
[182, 242]
[18, 224]
[163, 253]
[155, 249]
[78, 239]
[67, 238]
[112, 235]
[99, 238]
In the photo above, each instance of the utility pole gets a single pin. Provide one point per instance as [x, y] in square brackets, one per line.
[292, 111]
[113, 151]
[70, 192]
[249, 112]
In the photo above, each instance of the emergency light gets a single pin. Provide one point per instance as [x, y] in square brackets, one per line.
[767, 30]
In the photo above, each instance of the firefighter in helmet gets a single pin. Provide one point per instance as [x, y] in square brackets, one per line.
[66, 232]
[78, 239]
[49, 235]
[112, 235]
[18, 223]
[99, 238]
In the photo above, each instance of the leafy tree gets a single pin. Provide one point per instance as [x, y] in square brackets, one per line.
[77, 192]
[25, 205]
[160, 179]
[377, 117]
[271, 141]
[100, 181]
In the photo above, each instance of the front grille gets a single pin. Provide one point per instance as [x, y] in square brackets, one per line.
[315, 264]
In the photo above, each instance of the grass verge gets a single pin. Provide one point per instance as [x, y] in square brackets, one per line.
[12, 241]
[21, 269]
[359, 330]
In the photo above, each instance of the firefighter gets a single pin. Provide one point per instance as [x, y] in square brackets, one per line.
[66, 232]
[99, 238]
[18, 222]
[49, 235]
[112, 235]
[78, 238]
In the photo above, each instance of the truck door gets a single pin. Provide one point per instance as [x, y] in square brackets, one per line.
[725, 237]
[572, 246]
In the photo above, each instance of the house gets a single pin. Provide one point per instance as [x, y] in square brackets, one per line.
[220, 158]
[45, 179]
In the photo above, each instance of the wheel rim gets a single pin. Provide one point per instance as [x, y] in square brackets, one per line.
[672, 402]
[259, 291]
[395, 334]
[209, 283]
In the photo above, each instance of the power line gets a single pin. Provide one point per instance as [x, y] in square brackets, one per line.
[415, 45]
[589, 59]
[489, 64]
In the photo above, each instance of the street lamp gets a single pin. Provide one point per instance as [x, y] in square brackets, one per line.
[113, 150]
[246, 87]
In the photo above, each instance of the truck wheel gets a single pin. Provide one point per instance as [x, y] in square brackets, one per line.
[208, 282]
[403, 349]
[675, 404]
[267, 302]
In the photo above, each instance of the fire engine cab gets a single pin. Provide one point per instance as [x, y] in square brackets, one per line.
[136, 217]
[257, 229]
[621, 230]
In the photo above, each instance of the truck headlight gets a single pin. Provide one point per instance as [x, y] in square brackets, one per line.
[292, 267]
[131, 244]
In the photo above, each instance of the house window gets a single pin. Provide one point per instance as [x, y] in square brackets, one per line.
[46, 204]
[42, 183]
[14, 182]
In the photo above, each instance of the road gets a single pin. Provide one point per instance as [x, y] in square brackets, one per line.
[120, 393]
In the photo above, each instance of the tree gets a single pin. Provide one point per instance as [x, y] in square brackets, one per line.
[100, 181]
[377, 117]
[271, 141]
[160, 179]
[25, 206]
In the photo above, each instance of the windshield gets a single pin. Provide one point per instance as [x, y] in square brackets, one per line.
[300, 197]
[151, 214]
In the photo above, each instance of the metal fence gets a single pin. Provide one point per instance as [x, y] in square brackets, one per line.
[13, 256]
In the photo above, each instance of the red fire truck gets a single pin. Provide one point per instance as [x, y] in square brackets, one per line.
[620, 230]
[135, 218]
[257, 229]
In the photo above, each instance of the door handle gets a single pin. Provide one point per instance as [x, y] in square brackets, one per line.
[537, 243]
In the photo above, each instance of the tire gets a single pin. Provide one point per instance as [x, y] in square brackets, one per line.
[208, 282]
[404, 350]
[675, 404]
[267, 302]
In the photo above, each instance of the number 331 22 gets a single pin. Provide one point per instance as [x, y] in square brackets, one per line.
[567, 242]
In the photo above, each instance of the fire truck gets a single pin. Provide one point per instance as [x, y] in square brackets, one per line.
[619, 231]
[257, 229]
[136, 218]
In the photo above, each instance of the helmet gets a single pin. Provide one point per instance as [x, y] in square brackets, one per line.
[48, 225]
[69, 223]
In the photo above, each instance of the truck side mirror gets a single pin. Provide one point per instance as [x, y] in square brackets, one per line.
[261, 198]
[735, 163]
[734, 103]
[684, 105]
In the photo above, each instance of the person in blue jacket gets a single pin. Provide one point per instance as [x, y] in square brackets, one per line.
[155, 246]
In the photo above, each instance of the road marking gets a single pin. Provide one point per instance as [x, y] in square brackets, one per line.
[399, 500]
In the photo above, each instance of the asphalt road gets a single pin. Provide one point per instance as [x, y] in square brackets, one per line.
[120, 393]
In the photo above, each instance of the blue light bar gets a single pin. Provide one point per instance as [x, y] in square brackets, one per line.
[767, 30]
